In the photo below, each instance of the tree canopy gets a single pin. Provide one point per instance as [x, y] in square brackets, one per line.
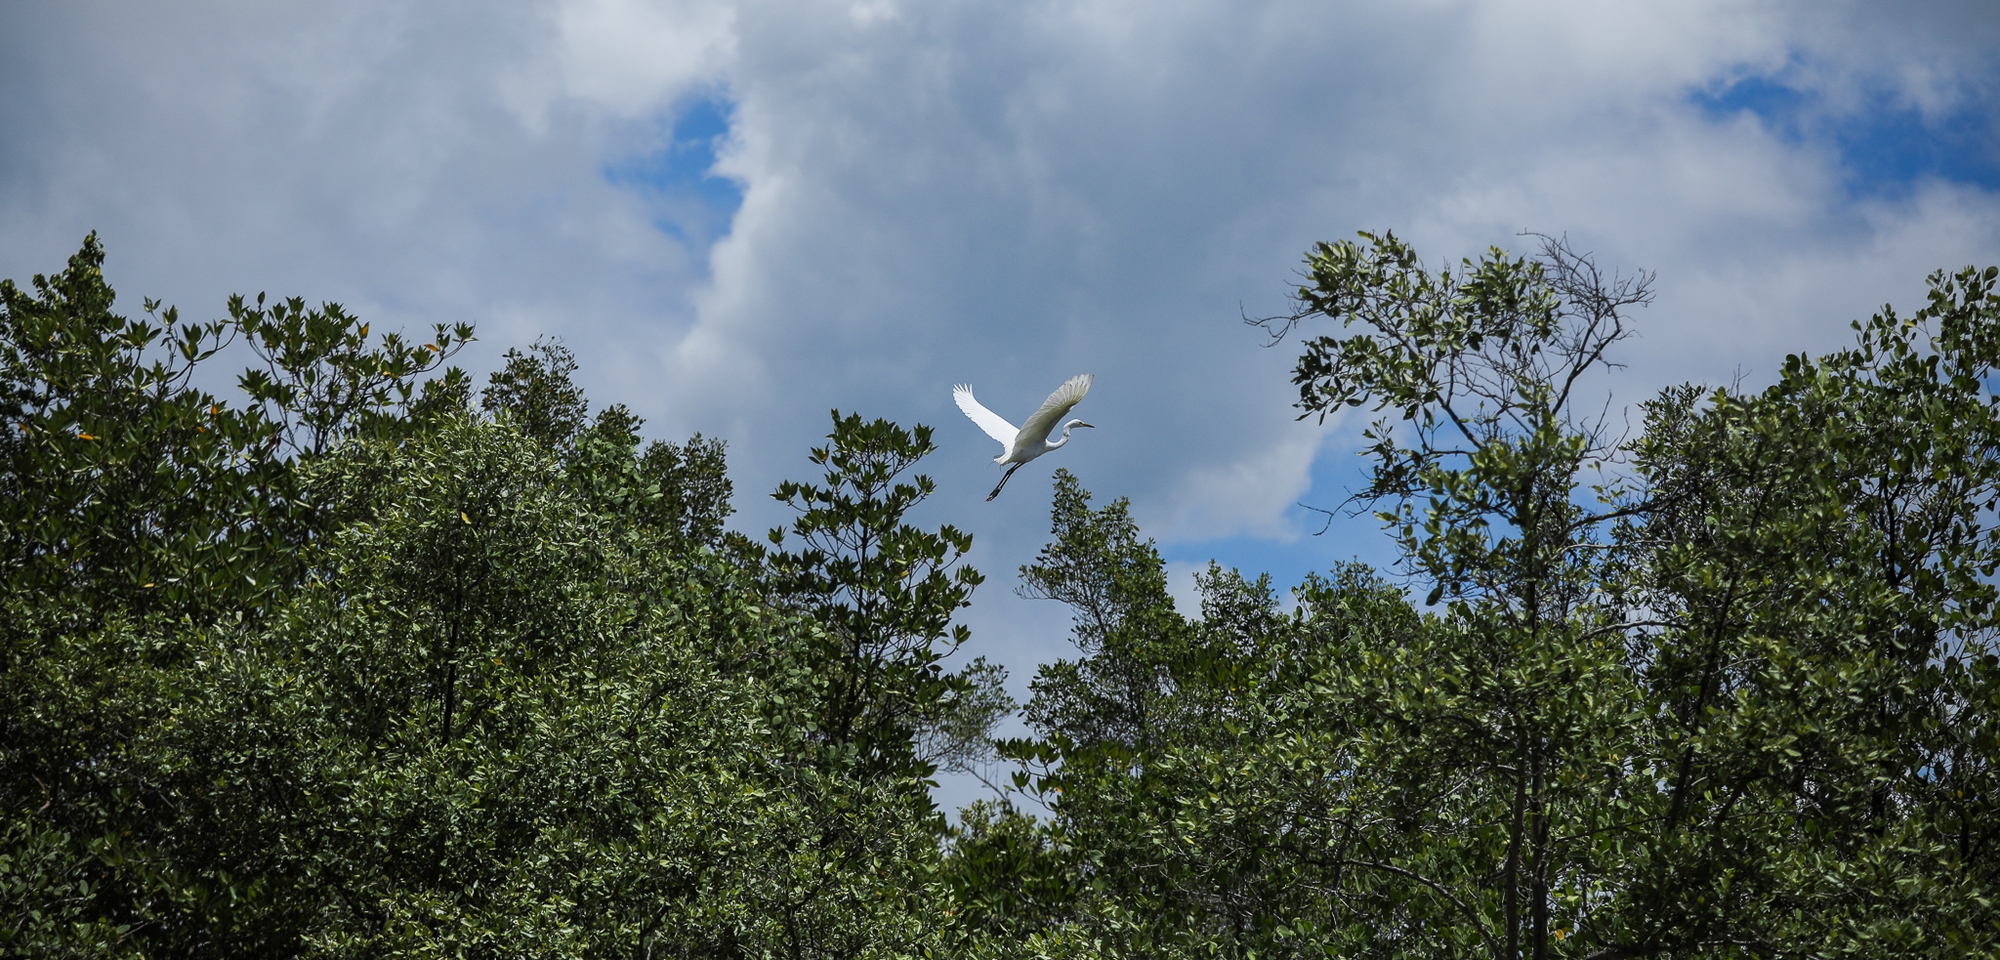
[356, 661]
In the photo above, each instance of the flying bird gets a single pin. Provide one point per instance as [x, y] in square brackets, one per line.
[1032, 440]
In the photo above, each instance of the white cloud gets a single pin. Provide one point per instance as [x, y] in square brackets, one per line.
[634, 56]
[1001, 192]
[1183, 587]
[1249, 496]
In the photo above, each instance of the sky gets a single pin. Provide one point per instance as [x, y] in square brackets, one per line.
[742, 215]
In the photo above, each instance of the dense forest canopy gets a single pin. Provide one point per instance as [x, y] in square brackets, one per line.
[367, 659]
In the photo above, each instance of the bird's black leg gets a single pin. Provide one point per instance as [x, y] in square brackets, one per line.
[1003, 481]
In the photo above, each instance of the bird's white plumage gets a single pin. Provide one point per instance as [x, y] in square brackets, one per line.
[1032, 440]
[1036, 431]
[994, 424]
[1019, 445]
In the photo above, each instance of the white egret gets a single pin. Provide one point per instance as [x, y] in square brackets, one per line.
[1032, 440]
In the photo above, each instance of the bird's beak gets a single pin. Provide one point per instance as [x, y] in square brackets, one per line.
[1082, 424]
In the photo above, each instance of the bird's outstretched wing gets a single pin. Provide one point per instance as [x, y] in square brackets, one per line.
[995, 425]
[1055, 408]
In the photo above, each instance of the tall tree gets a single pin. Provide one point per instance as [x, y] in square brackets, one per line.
[1816, 561]
[885, 593]
[1483, 473]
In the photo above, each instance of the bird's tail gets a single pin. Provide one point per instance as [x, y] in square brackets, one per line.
[1003, 481]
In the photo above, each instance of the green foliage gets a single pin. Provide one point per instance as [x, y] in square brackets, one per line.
[535, 393]
[490, 726]
[680, 490]
[111, 464]
[1485, 488]
[469, 691]
[1010, 876]
[125, 487]
[1821, 660]
[1219, 785]
[884, 593]
[526, 704]
[344, 669]
[1735, 701]
[324, 383]
[1482, 368]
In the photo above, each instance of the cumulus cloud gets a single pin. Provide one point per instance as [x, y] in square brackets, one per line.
[1005, 193]
[633, 56]
[368, 153]
[993, 191]
[1249, 496]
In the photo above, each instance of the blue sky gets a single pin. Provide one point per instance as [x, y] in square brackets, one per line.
[743, 213]
[1883, 144]
[696, 202]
